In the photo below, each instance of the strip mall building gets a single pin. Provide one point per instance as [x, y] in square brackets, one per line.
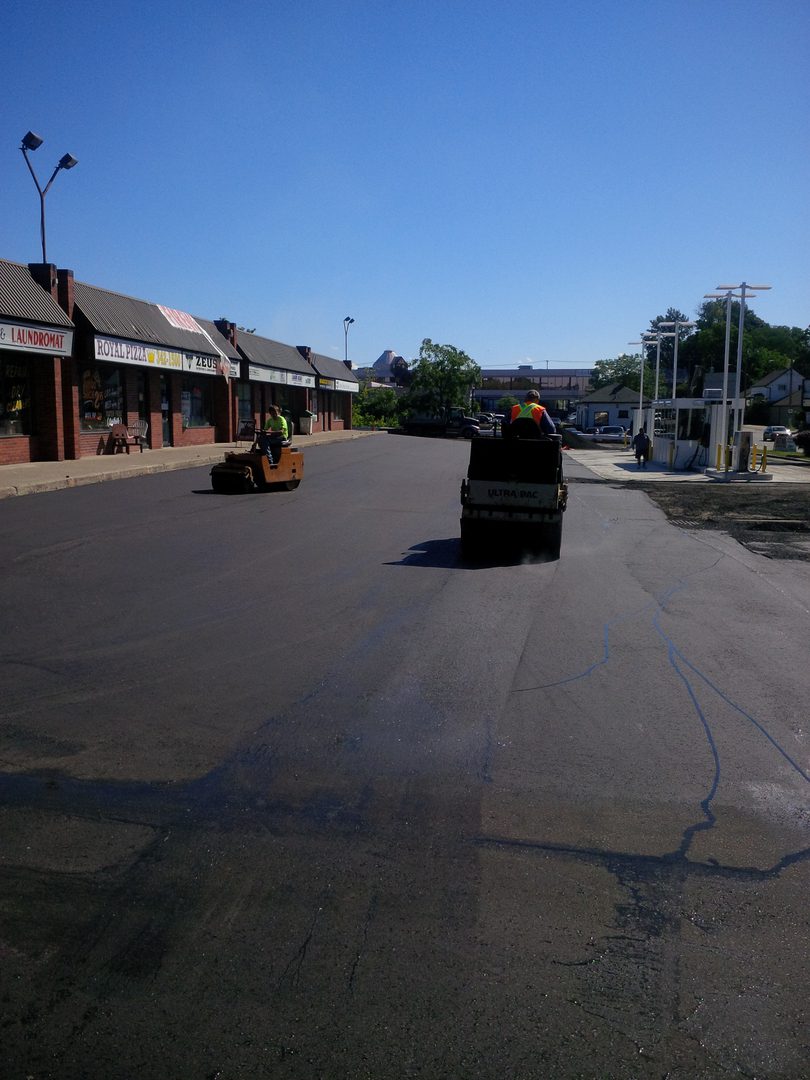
[76, 359]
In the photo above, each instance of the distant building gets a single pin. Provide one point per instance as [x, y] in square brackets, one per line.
[777, 384]
[613, 404]
[380, 371]
[560, 389]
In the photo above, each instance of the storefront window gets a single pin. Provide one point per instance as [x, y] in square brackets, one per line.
[244, 393]
[15, 397]
[196, 402]
[102, 398]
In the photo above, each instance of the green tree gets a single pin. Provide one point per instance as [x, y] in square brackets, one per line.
[443, 376]
[504, 404]
[622, 369]
[375, 406]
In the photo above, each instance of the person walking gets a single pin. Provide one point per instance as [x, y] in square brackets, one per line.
[641, 447]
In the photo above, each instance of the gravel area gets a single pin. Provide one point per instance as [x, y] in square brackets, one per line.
[770, 519]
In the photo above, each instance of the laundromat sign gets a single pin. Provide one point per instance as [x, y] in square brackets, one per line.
[43, 339]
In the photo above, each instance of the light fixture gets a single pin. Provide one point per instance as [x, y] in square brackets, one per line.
[347, 322]
[32, 141]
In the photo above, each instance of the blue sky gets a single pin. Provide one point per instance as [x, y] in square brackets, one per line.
[529, 181]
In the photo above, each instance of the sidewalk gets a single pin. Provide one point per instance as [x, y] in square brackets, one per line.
[38, 476]
[618, 463]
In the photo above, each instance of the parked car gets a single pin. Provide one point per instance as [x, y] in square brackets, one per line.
[773, 430]
[611, 433]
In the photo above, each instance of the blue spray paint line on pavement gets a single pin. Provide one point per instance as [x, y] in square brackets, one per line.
[731, 704]
[605, 643]
[706, 802]
[676, 659]
[580, 674]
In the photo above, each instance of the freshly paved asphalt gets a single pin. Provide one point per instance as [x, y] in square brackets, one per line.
[613, 463]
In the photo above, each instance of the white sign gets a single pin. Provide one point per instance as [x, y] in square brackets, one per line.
[42, 339]
[199, 364]
[295, 379]
[266, 374]
[117, 350]
[348, 387]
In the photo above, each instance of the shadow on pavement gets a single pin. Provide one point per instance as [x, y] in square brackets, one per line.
[446, 554]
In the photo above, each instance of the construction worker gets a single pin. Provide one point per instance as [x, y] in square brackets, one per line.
[274, 435]
[531, 409]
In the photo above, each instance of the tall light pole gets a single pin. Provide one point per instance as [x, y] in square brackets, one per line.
[677, 325]
[728, 297]
[347, 322]
[31, 141]
[743, 286]
[658, 336]
[645, 341]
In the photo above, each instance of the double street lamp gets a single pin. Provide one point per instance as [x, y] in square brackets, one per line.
[729, 294]
[658, 337]
[347, 322]
[646, 340]
[31, 141]
[676, 325]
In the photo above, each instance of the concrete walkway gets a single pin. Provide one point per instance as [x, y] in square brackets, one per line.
[612, 463]
[618, 463]
[38, 476]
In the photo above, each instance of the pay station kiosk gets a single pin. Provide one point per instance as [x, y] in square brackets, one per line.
[687, 433]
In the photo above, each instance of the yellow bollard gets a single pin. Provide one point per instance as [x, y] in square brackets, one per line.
[764, 464]
[753, 457]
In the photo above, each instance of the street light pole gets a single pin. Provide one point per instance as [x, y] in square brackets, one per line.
[676, 327]
[645, 340]
[726, 356]
[31, 141]
[738, 377]
[347, 322]
[658, 336]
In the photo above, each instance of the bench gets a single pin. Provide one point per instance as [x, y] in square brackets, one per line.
[121, 439]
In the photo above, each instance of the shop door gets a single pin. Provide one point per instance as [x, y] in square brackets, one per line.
[165, 411]
[143, 404]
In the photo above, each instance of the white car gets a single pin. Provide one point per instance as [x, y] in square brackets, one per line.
[774, 430]
[611, 433]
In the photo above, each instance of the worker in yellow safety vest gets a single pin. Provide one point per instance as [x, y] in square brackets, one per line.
[531, 409]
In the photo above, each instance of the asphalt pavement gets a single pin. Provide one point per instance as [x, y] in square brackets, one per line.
[610, 462]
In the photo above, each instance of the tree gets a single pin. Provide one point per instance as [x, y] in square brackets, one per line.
[375, 406]
[622, 369]
[442, 376]
[504, 404]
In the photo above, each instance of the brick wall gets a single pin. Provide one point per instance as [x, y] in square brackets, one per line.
[16, 449]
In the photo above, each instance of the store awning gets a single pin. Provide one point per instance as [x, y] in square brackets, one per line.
[126, 330]
[30, 318]
[273, 362]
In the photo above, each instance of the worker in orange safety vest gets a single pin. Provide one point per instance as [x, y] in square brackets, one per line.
[531, 409]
